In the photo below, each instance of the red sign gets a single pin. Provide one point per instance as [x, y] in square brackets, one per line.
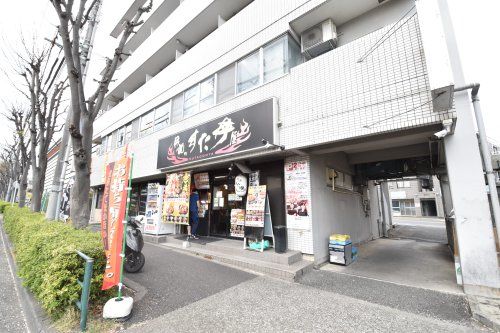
[114, 204]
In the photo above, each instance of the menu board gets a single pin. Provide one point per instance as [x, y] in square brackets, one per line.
[201, 181]
[297, 194]
[176, 204]
[256, 204]
[238, 223]
[152, 203]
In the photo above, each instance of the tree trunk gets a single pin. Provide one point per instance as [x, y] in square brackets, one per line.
[39, 182]
[36, 197]
[23, 185]
[80, 207]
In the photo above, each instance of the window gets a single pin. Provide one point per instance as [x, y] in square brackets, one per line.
[108, 143]
[98, 201]
[207, 93]
[248, 72]
[147, 123]
[275, 64]
[135, 128]
[128, 133]
[225, 84]
[407, 207]
[294, 55]
[103, 145]
[177, 108]
[162, 116]
[114, 137]
[191, 99]
[403, 184]
[120, 139]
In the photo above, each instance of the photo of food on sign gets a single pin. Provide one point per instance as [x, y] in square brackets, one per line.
[176, 204]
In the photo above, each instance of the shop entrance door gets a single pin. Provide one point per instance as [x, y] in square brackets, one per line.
[223, 201]
[220, 219]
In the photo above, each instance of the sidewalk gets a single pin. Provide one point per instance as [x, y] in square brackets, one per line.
[12, 317]
[19, 310]
[265, 304]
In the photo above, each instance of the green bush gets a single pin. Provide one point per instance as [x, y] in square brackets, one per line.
[47, 261]
[3, 204]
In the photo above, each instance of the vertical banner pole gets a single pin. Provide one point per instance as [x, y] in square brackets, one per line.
[124, 240]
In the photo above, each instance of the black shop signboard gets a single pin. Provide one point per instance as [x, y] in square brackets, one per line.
[234, 133]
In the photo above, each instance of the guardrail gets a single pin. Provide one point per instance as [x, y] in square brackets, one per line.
[83, 303]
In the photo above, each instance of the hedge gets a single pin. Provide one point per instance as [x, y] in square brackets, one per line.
[3, 204]
[47, 261]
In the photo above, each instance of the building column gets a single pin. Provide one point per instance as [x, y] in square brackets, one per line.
[473, 224]
[375, 214]
[386, 208]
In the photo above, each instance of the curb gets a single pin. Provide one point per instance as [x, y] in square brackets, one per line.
[486, 311]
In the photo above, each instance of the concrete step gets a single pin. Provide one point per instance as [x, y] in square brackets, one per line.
[286, 272]
[235, 247]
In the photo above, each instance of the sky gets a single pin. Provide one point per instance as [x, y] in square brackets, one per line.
[475, 24]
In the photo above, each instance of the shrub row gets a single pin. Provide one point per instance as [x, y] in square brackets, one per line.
[47, 261]
[3, 204]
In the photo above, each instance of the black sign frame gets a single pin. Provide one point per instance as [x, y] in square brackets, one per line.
[234, 133]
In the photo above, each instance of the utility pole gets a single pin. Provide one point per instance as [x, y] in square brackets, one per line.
[64, 150]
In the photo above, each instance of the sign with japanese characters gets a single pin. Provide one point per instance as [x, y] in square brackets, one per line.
[233, 133]
[176, 203]
[113, 213]
[297, 194]
[202, 181]
[256, 204]
[238, 223]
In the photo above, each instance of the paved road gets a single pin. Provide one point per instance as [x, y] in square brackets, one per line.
[11, 313]
[425, 229]
[420, 301]
[268, 305]
[190, 294]
[175, 279]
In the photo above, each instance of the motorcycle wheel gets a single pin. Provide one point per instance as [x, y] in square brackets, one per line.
[134, 262]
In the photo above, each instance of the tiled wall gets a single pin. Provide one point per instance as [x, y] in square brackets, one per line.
[333, 97]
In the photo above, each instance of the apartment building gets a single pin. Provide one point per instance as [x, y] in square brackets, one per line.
[416, 197]
[315, 99]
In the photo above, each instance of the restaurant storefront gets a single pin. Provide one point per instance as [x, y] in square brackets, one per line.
[237, 169]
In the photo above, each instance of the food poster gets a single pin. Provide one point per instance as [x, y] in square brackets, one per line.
[176, 204]
[201, 181]
[256, 204]
[297, 194]
[238, 223]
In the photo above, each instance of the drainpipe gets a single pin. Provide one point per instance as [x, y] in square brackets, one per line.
[485, 151]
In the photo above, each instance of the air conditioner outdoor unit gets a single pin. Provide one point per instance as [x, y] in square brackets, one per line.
[319, 39]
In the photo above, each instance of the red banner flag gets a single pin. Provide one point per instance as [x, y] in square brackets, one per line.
[114, 204]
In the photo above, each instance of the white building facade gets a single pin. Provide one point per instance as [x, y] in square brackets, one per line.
[321, 124]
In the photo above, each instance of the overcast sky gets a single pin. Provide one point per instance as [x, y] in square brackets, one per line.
[475, 23]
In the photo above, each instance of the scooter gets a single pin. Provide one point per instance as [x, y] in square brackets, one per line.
[134, 259]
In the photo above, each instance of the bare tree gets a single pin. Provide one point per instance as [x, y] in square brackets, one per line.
[41, 68]
[9, 167]
[85, 110]
[19, 151]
